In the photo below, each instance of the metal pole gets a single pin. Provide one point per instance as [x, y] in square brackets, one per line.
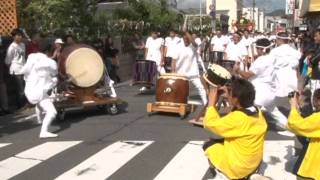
[253, 9]
[201, 16]
[293, 14]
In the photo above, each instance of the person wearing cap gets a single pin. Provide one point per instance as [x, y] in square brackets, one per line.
[58, 43]
[15, 60]
[260, 74]
[185, 63]
[240, 152]
[40, 73]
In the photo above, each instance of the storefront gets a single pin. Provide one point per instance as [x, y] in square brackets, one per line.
[310, 11]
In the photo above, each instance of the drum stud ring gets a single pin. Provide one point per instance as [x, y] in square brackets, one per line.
[167, 90]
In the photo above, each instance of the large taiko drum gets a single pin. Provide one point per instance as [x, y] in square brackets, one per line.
[82, 64]
[144, 72]
[172, 88]
[217, 75]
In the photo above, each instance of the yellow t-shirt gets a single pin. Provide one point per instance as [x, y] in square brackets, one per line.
[242, 150]
[308, 127]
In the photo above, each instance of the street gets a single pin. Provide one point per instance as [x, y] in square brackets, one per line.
[129, 146]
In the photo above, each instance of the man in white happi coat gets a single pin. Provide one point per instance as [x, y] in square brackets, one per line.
[40, 75]
[185, 63]
[260, 74]
[171, 43]
[286, 65]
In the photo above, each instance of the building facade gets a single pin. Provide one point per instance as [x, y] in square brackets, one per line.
[257, 16]
[231, 8]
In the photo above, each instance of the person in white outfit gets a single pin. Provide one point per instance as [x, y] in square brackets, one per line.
[154, 51]
[218, 47]
[15, 60]
[171, 42]
[40, 75]
[236, 51]
[185, 63]
[200, 48]
[286, 65]
[261, 74]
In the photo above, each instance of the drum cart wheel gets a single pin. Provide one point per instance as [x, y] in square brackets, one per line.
[112, 109]
[61, 113]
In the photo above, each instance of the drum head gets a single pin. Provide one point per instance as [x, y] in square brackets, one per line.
[173, 76]
[85, 67]
[217, 75]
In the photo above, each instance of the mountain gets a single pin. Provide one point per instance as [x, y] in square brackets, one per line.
[267, 5]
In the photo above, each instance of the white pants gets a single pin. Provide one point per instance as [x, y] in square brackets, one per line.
[202, 92]
[46, 113]
[265, 98]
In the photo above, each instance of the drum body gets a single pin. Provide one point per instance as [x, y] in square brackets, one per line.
[172, 88]
[144, 72]
[82, 65]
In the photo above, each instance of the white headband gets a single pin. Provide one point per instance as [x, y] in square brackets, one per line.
[265, 47]
[280, 37]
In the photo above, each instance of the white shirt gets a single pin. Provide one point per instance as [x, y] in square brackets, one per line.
[199, 43]
[263, 82]
[40, 75]
[246, 41]
[219, 43]
[16, 57]
[236, 52]
[186, 57]
[286, 64]
[263, 69]
[154, 49]
[171, 44]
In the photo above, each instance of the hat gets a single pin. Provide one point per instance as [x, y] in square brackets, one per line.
[58, 41]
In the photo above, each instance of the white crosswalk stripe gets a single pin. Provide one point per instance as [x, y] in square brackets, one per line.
[189, 163]
[4, 144]
[107, 161]
[278, 159]
[25, 160]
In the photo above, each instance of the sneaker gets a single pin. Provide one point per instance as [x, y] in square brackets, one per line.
[286, 133]
[143, 89]
[48, 135]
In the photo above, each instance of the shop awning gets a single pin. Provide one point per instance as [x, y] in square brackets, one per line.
[314, 6]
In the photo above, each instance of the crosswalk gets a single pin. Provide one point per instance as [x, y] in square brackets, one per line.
[189, 163]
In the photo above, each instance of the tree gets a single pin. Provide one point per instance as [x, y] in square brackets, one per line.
[57, 16]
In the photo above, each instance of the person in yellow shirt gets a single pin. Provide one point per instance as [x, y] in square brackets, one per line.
[308, 127]
[243, 130]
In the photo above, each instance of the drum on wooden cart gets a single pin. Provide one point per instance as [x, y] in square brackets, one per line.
[82, 76]
[172, 94]
[144, 73]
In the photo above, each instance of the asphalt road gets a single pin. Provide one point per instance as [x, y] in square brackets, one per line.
[129, 146]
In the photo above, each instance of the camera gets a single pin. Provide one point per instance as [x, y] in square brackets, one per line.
[291, 94]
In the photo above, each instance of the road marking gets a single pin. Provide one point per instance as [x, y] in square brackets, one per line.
[107, 161]
[279, 159]
[4, 144]
[189, 163]
[27, 159]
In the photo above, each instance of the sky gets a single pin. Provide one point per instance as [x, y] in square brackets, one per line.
[270, 5]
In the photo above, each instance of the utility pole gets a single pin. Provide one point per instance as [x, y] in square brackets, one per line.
[293, 15]
[253, 12]
[201, 16]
